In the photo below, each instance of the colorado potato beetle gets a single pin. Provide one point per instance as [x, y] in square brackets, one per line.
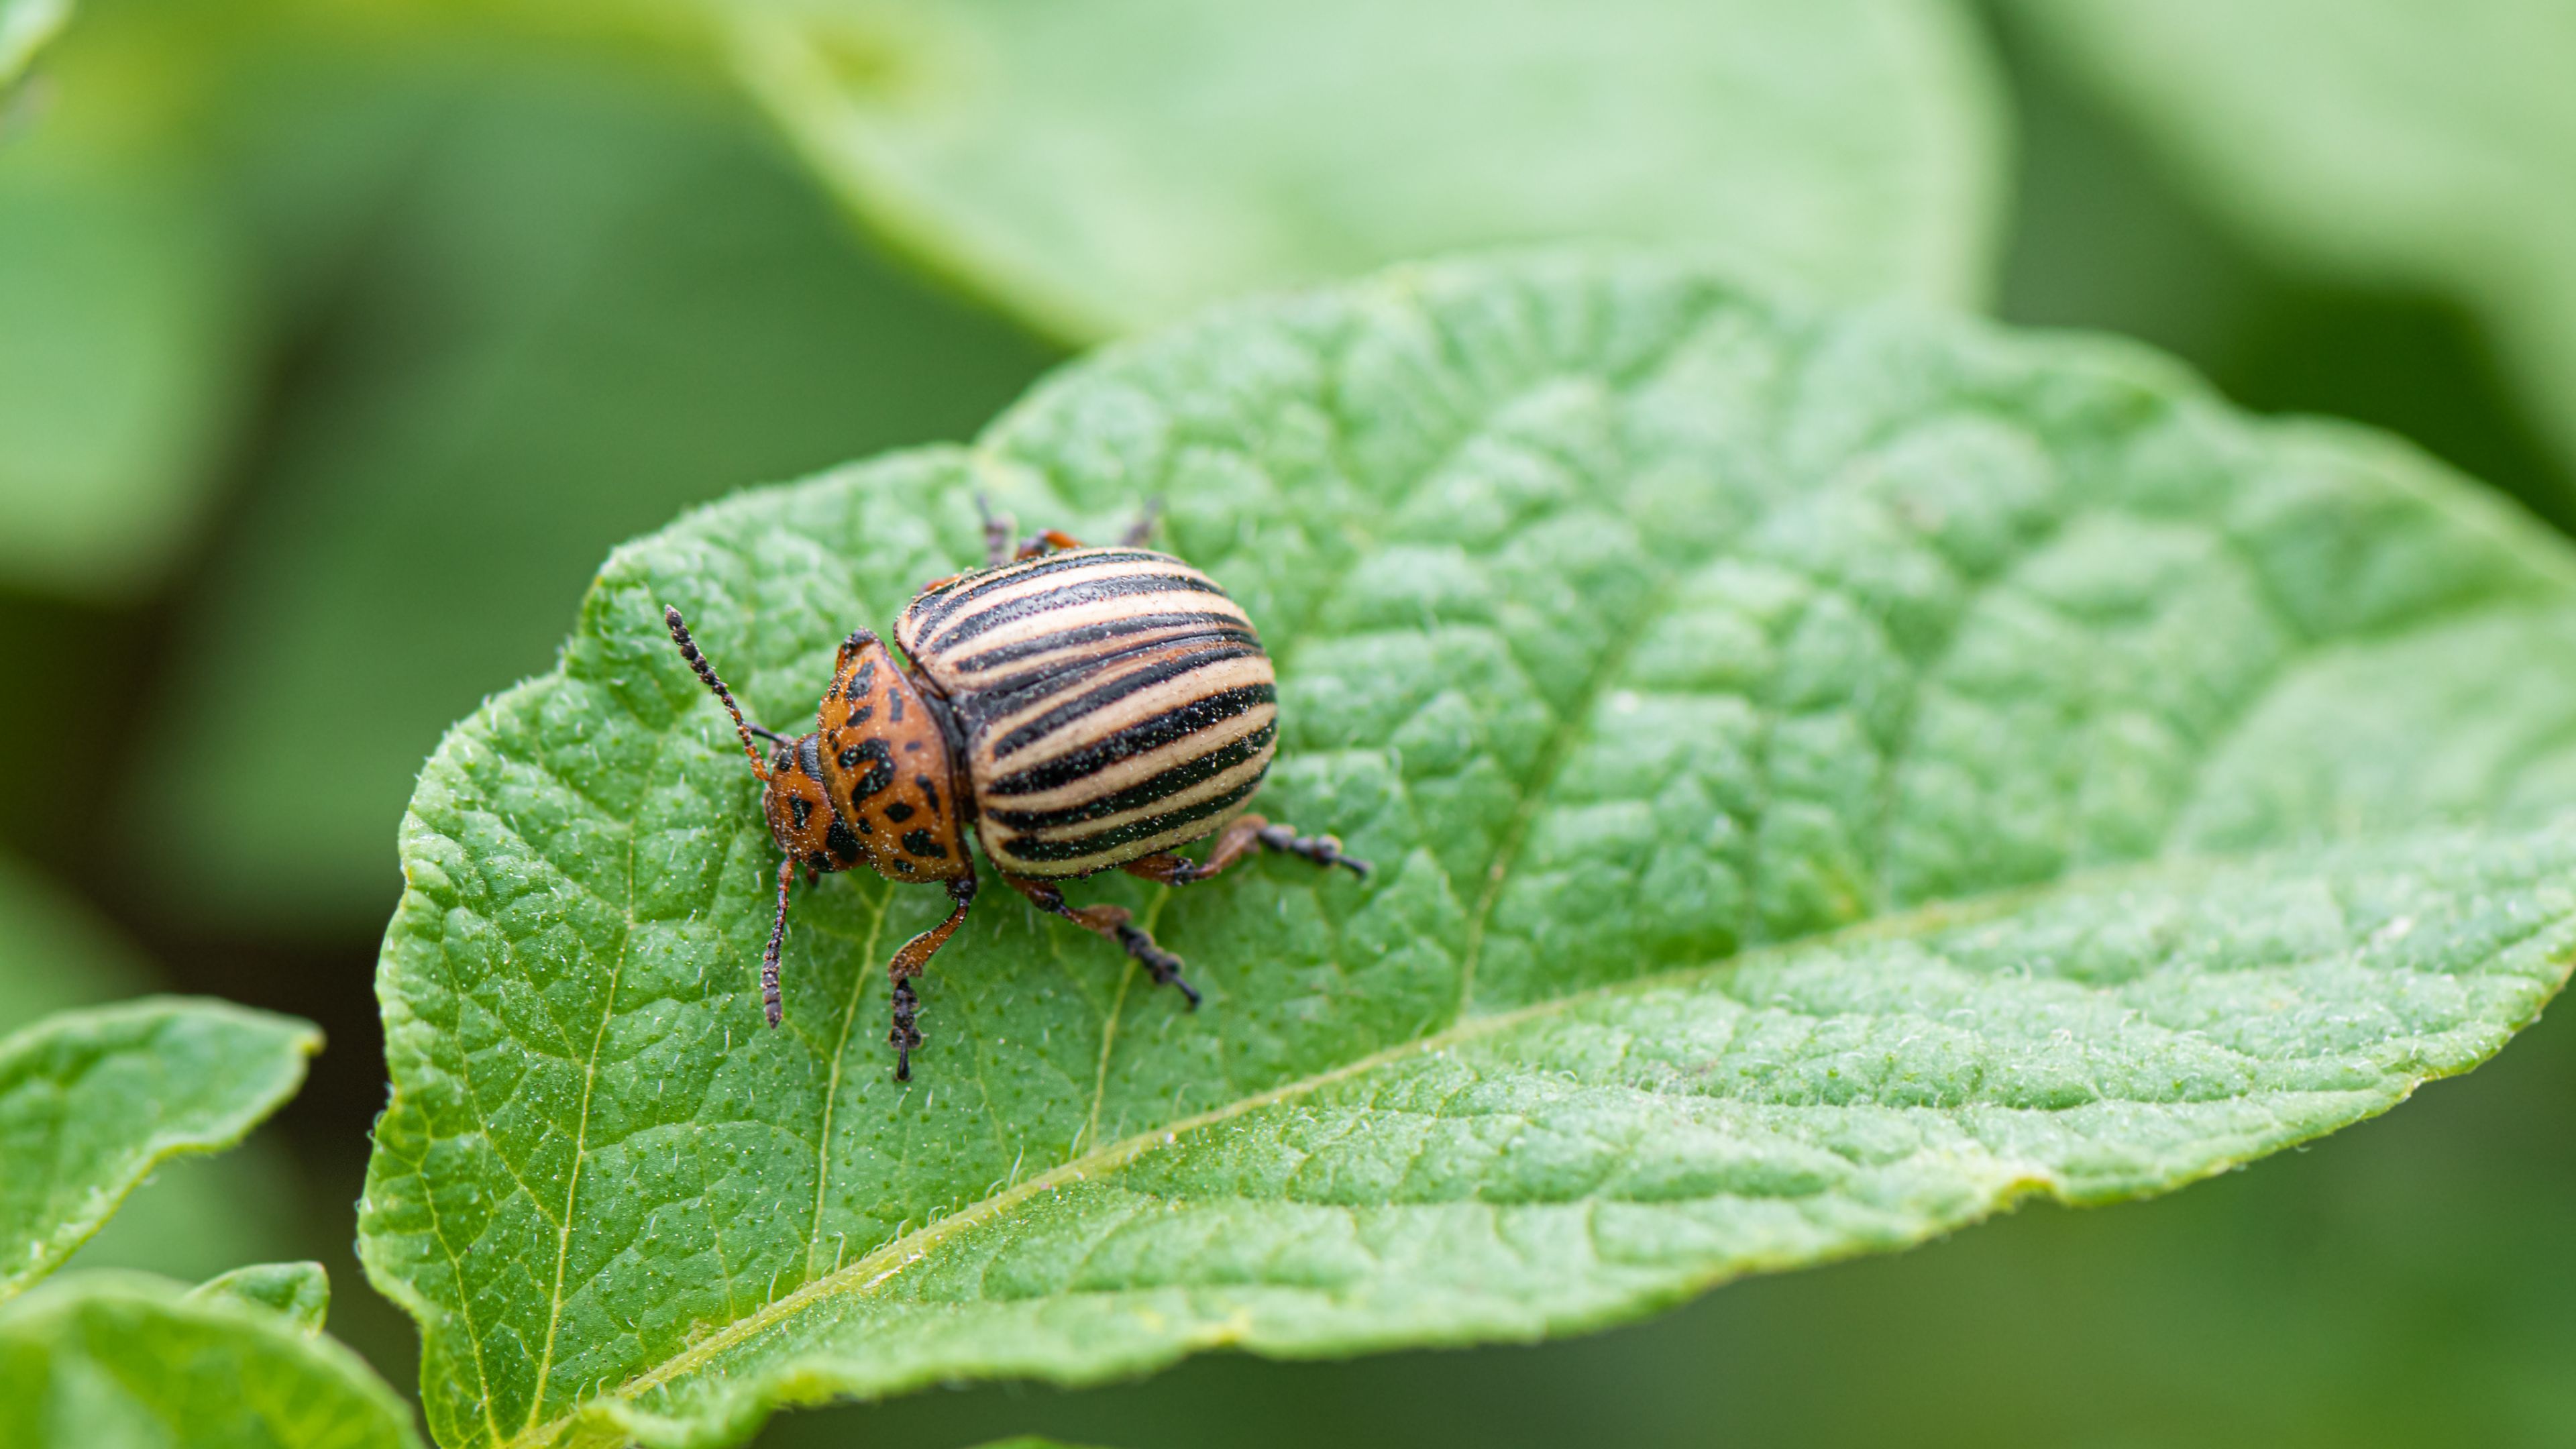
[1082, 709]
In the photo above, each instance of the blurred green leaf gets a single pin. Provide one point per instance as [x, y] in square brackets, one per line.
[195, 1214]
[2391, 144]
[300, 1292]
[91, 1100]
[25, 26]
[122, 1361]
[597, 296]
[126, 333]
[1648, 635]
[1102, 166]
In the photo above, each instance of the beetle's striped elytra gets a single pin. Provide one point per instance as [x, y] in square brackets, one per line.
[1081, 709]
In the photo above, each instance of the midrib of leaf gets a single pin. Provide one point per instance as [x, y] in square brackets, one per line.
[866, 1273]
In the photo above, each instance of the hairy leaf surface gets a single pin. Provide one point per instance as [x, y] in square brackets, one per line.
[91, 1100]
[1831, 776]
[125, 1361]
[1102, 165]
[2421, 146]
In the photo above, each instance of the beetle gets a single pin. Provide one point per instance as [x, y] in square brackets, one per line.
[1080, 709]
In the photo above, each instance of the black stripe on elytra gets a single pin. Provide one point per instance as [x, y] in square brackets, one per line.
[1065, 596]
[1135, 739]
[1102, 696]
[880, 771]
[1145, 792]
[1033, 686]
[1129, 833]
[935, 607]
[1225, 625]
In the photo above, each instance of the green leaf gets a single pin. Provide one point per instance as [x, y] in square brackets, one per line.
[1099, 167]
[25, 26]
[127, 338]
[597, 297]
[195, 1214]
[123, 1361]
[1831, 776]
[91, 1100]
[2394, 144]
[299, 1291]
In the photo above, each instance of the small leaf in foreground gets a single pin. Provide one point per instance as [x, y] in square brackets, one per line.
[125, 1361]
[1833, 777]
[1103, 165]
[25, 26]
[299, 1292]
[91, 1100]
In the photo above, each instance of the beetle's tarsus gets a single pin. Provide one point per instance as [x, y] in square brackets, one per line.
[904, 1036]
[1161, 964]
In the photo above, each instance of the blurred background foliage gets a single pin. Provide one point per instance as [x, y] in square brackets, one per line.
[339, 342]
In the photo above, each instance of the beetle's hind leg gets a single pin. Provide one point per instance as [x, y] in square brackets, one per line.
[908, 963]
[1246, 834]
[1117, 924]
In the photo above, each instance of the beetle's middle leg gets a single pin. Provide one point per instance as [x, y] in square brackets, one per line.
[908, 963]
[1246, 834]
[1117, 924]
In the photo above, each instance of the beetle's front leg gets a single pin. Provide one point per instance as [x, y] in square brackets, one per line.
[908, 963]
[1239, 839]
[1117, 924]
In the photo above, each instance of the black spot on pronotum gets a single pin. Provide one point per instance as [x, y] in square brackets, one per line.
[894, 706]
[860, 716]
[800, 808]
[900, 811]
[817, 860]
[919, 843]
[880, 771]
[863, 681]
[929, 792]
[843, 844]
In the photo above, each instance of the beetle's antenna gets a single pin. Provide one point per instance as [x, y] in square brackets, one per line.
[773, 736]
[707, 673]
[777, 939]
[1143, 528]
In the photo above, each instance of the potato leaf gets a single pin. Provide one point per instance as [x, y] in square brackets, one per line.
[1832, 776]
[1103, 165]
[126, 1361]
[91, 1100]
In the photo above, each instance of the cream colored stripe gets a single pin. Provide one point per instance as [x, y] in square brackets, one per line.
[997, 845]
[1206, 789]
[911, 625]
[1215, 676]
[1111, 778]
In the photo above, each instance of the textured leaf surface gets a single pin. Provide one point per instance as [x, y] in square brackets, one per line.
[2425, 146]
[122, 1361]
[299, 1292]
[1831, 777]
[1103, 165]
[90, 1100]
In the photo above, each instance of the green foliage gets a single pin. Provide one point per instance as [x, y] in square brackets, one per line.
[91, 1100]
[196, 1213]
[2391, 143]
[595, 297]
[25, 26]
[300, 1292]
[123, 1361]
[1833, 777]
[1107, 165]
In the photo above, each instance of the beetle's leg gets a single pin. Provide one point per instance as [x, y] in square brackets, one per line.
[998, 531]
[1115, 923]
[908, 963]
[1143, 528]
[1239, 839]
[1052, 539]
[777, 939]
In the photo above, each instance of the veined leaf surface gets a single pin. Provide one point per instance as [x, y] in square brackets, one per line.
[1832, 775]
